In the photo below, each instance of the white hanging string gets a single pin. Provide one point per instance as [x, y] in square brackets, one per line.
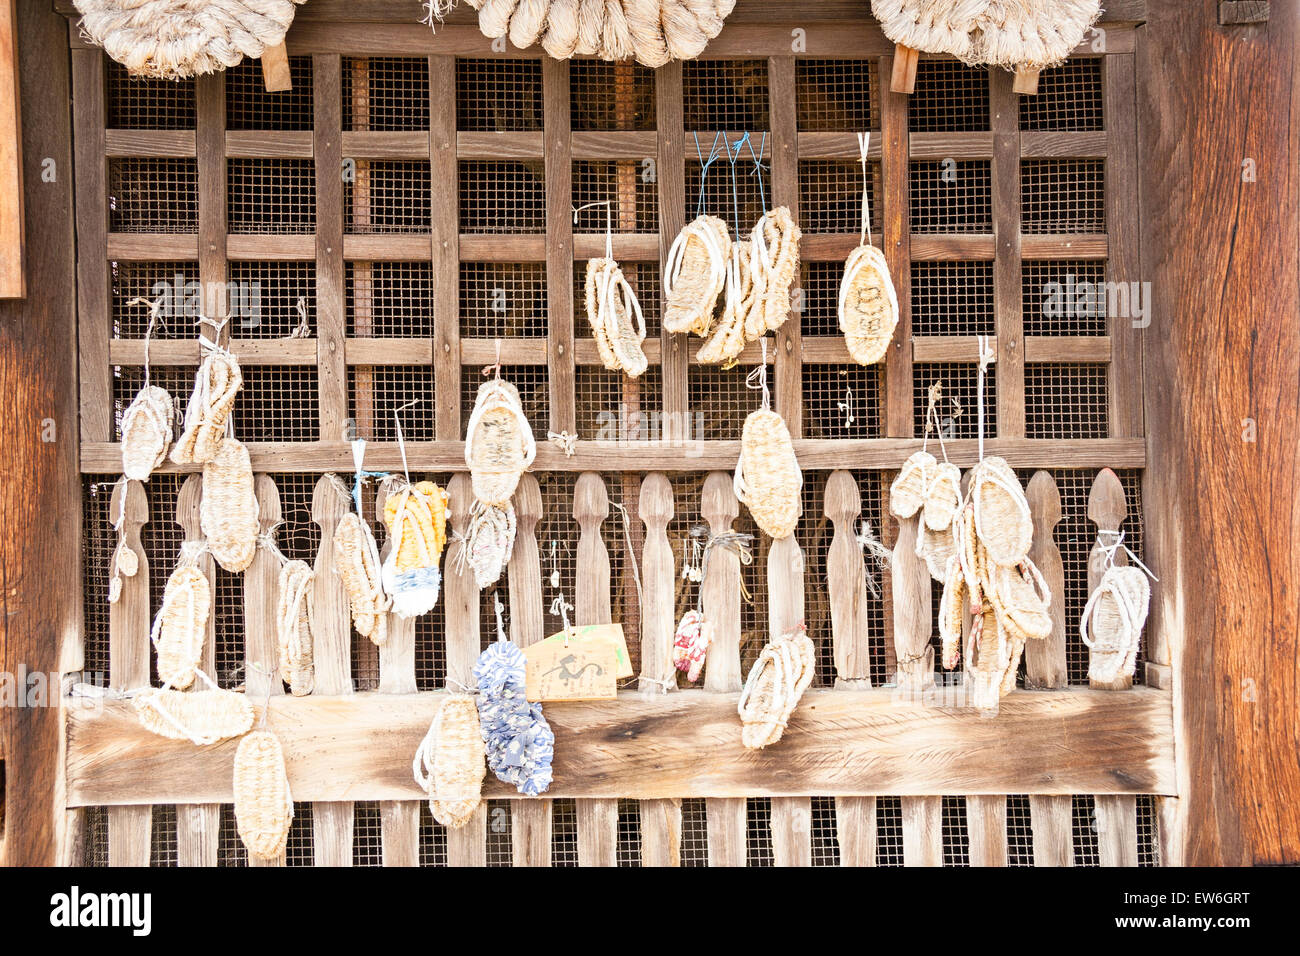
[1112, 542]
[401, 440]
[864, 147]
[987, 357]
[609, 222]
[155, 307]
[757, 379]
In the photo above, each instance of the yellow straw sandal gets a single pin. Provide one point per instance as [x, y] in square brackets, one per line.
[263, 803]
[146, 432]
[228, 513]
[907, 493]
[357, 560]
[181, 626]
[293, 627]
[776, 263]
[768, 479]
[695, 274]
[773, 688]
[200, 716]
[450, 764]
[615, 317]
[499, 444]
[416, 518]
[1112, 621]
[216, 384]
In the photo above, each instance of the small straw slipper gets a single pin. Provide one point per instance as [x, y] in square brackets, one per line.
[449, 765]
[499, 444]
[935, 548]
[615, 317]
[293, 627]
[988, 657]
[200, 716]
[228, 513]
[776, 255]
[216, 384]
[773, 688]
[907, 493]
[146, 432]
[416, 518]
[1112, 621]
[489, 542]
[1002, 518]
[1021, 599]
[357, 560]
[942, 496]
[868, 305]
[263, 803]
[695, 273]
[727, 340]
[181, 627]
[952, 613]
[768, 479]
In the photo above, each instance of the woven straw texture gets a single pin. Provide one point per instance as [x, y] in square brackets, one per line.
[776, 246]
[768, 479]
[146, 432]
[907, 493]
[202, 716]
[499, 447]
[775, 684]
[174, 39]
[696, 274]
[868, 305]
[181, 626]
[228, 513]
[216, 384]
[615, 316]
[1002, 516]
[1112, 622]
[357, 560]
[263, 804]
[456, 782]
[293, 627]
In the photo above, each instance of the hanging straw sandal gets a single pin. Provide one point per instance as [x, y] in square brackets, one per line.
[1002, 518]
[935, 548]
[615, 317]
[499, 444]
[216, 384]
[1021, 600]
[727, 339]
[691, 643]
[776, 682]
[416, 518]
[293, 627]
[202, 717]
[181, 626]
[776, 263]
[768, 479]
[449, 765]
[1112, 621]
[357, 560]
[146, 432]
[868, 305]
[942, 496]
[490, 542]
[695, 274]
[263, 803]
[952, 613]
[907, 492]
[228, 513]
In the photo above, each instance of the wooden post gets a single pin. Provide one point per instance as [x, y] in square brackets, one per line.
[670, 169]
[1045, 660]
[846, 572]
[1107, 509]
[331, 320]
[785, 192]
[446, 247]
[922, 831]
[559, 244]
[1007, 278]
[275, 69]
[13, 275]
[791, 820]
[910, 582]
[597, 819]
[896, 245]
[903, 77]
[1116, 829]
[986, 827]
[1052, 820]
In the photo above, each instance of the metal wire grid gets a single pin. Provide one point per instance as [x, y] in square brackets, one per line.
[176, 282]
[534, 393]
[758, 832]
[951, 196]
[300, 848]
[270, 196]
[564, 833]
[298, 536]
[695, 833]
[501, 300]
[816, 300]
[624, 182]
[720, 401]
[97, 544]
[500, 850]
[375, 393]
[952, 298]
[162, 835]
[146, 103]
[1062, 196]
[1020, 832]
[949, 97]
[813, 533]
[367, 834]
[825, 833]
[725, 94]
[956, 839]
[249, 105]
[177, 380]
[431, 649]
[836, 95]
[230, 849]
[1148, 843]
[153, 195]
[433, 838]
[960, 383]
[1066, 401]
[388, 197]
[1064, 297]
[605, 410]
[642, 277]
[1069, 98]
[262, 298]
[841, 401]
[627, 852]
[389, 299]
[889, 831]
[830, 196]
[739, 201]
[610, 96]
[385, 93]
[502, 197]
[278, 403]
[498, 95]
[1084, 831]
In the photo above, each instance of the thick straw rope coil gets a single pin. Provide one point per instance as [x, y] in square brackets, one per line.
[228, 513]
[181, 626]
[293, 627]
[263, 803]
[695, 275]
[768, 479]
[449, 765]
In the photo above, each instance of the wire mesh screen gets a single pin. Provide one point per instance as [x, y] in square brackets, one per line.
[367, 835]
[949, 97]
[1069, 98]
[816, 298]
[952, 298]
[627, 851]
[951, 195]
[498, 95]
[695, 833]
[958, 406]
[153, 195]
[610, 96]
[433, 839]
[271, 196]
[385, 93]
[956, 839]
[1084, 831]
[278, 403]
[503, 300]
[641, 277]
[758, 831]
[176, 283]
[725, 94]
[889, 831]
[1065, 297]
[272, 300]
[376, 393]
[135, 102]
[626, 184]
[564, 833]
[841, 401]
[833, 95]
[719, 402]
[250, 105]
[830, 196]
[613, 407]
[502, 197]
[1058, 195]
[388, 197]
[738, 196]
[389, 299]
[1066, 401]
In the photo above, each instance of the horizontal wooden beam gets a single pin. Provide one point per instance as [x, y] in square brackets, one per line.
[816, 454]
[687, 744]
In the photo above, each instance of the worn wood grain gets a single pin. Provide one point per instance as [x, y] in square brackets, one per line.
[1116, 824]
[91, 171]
[788, 394]
[13, 255]
[896, 244]
[1004, 109]
[922, 831]
[275, 68]
[1107, 509]
[846, 575]
[331, 321]
[1045, 660]
[855, 828]
[986, 827]
[559, 244]
[445, 248]
[461, 592]
[721, 588]
[670, 169]
[910, 587]
[658, 581]
[1124, 265]
[1052, 819]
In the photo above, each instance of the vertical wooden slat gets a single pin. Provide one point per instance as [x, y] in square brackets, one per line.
[791, 819]
[726, 817]
[792, 831]
[13, 277]
[1125, 379]
[399, 820]
[530, 819]
[910, 583]
[1107, 509]
[559, 243]
[785, 192]
[446, 246]
[331, 822]
[128, 647]
[855, 828]
[1168, 834]
[670, 168]
[597, 819]
[1045, 660]
[922, 831]
[210, 134]
[847, 583]
[331, 319]
[1004, 110]
[661, 832]
[1052, 819]
[986, 826]
[897, 248]
[1117, 829]
[94, 313]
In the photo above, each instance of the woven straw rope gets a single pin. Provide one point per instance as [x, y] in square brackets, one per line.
[1112, 621]
[499, 443]
[216, 384]
[181, 626]
[228, 513]
[293, 627]
[416, 518]
[263, 803]
[776, 682]
[615, 318]
[695, 274]
[201, 716]
[357, 560]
